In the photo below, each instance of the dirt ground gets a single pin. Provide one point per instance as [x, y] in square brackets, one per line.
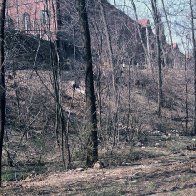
[172, 173]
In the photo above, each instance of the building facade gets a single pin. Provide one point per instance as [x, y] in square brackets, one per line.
[35, 17]
[40, 18]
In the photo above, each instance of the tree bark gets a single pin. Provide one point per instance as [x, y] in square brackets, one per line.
[92, 144]
[145, 48]
[2, 79]
[168, 25]
[158, 42]
[194, 57]
[186, 93]
[109, 45]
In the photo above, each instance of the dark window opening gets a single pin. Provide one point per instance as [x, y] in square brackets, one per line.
[9, 22]
[26, 22]
[45, 17]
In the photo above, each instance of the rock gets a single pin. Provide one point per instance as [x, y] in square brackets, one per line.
[191, 147]
[165, 137]
[157, 144]
[98, 165]
[126, 164]
[139, 144]
[192, 157]
[28, 179]
[79, 169]
[182, 154]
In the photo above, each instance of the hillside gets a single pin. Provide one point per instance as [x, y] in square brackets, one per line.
[146, 159]
[47, 130]
[25, 49]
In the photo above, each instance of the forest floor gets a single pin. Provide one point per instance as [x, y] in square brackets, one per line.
[170, 171]
[161, 165]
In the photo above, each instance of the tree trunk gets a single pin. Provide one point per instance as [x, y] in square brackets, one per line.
[59, 29]
[115, 91]
[92, 144]
[186, 93]
[145, 48]
[194, 57]
[168, 24]
[158, 42]
[109, 45]
[2, 79]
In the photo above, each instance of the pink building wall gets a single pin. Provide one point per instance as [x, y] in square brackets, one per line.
[36, 17]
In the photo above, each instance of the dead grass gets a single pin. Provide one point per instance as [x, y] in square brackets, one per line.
[162, 166]
[167, 174]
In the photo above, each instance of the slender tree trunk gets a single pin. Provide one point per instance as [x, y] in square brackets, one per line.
[169, 29]
[59, 28]
[194, 57]
[145, 48]
[56, 60]
[92, 145]
[109, 45]
[129, 103]
[2, 80]
[168, 25]
[158, 43]
[115, 92]
[186, 93]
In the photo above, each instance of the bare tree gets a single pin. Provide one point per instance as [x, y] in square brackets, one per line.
[2, 79]
[156, 18]
[167, 21]
[92, 144]
[109, 44]
[145, 48]
[194, 57]
[115, 91]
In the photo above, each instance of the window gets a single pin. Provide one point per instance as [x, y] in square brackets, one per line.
[45, 17]
[9, 22]
[37, 28]
[26, 22]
